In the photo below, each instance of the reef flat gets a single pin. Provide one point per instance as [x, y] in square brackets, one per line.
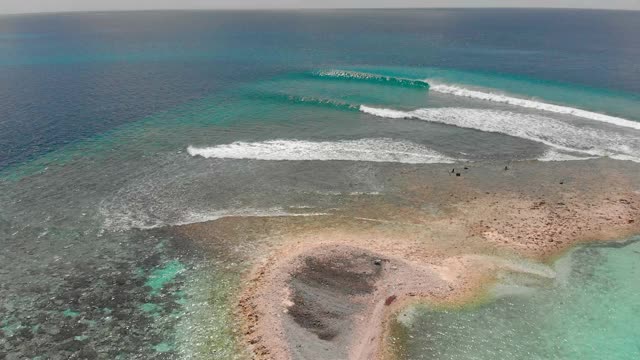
[327, 281]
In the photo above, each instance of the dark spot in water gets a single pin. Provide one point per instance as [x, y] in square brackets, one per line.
[70, 345]
[68, 330]
[87, 352]
[151, 261]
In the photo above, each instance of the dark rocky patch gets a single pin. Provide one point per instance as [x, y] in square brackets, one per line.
[324, 289]
[103, 297]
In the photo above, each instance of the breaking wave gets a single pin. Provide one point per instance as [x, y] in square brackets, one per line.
[532, 104]
[553, 155]
[374, 150]
[554, 133]
[373, 78]
[460, 91]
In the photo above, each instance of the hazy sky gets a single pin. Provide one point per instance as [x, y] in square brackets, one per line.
[22, 6]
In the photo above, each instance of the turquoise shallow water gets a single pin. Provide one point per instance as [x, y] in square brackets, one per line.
[113, 126]
[590, 311]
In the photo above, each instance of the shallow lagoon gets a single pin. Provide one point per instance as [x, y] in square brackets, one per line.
[590, 311]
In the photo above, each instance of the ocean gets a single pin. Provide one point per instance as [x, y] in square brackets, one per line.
[117, 125]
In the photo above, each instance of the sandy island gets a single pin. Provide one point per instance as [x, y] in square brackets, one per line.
[325, 287]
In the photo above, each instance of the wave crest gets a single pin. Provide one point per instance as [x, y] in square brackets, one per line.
[375, 78]
[305, 100]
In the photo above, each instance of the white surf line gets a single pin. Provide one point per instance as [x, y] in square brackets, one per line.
[531, 104]
[552, 155]
[372, 150]
[551, 132]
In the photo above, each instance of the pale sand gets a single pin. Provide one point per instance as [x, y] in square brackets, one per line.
[296, 304]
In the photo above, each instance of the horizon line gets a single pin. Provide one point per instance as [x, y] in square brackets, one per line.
[283, 9]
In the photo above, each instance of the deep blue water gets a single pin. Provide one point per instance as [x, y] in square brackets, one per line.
[70, 76]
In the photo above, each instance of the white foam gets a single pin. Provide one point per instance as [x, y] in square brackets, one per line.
[553, 155]
[349, 74]
[555, 133]
[356, 75]
[374, 150]
[532, 104]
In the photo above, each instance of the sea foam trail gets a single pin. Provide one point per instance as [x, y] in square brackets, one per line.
[125, 219]
[531, 104]
[374, 150]
[557, 134]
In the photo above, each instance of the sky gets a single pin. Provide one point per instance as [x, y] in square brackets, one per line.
[29, 6]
